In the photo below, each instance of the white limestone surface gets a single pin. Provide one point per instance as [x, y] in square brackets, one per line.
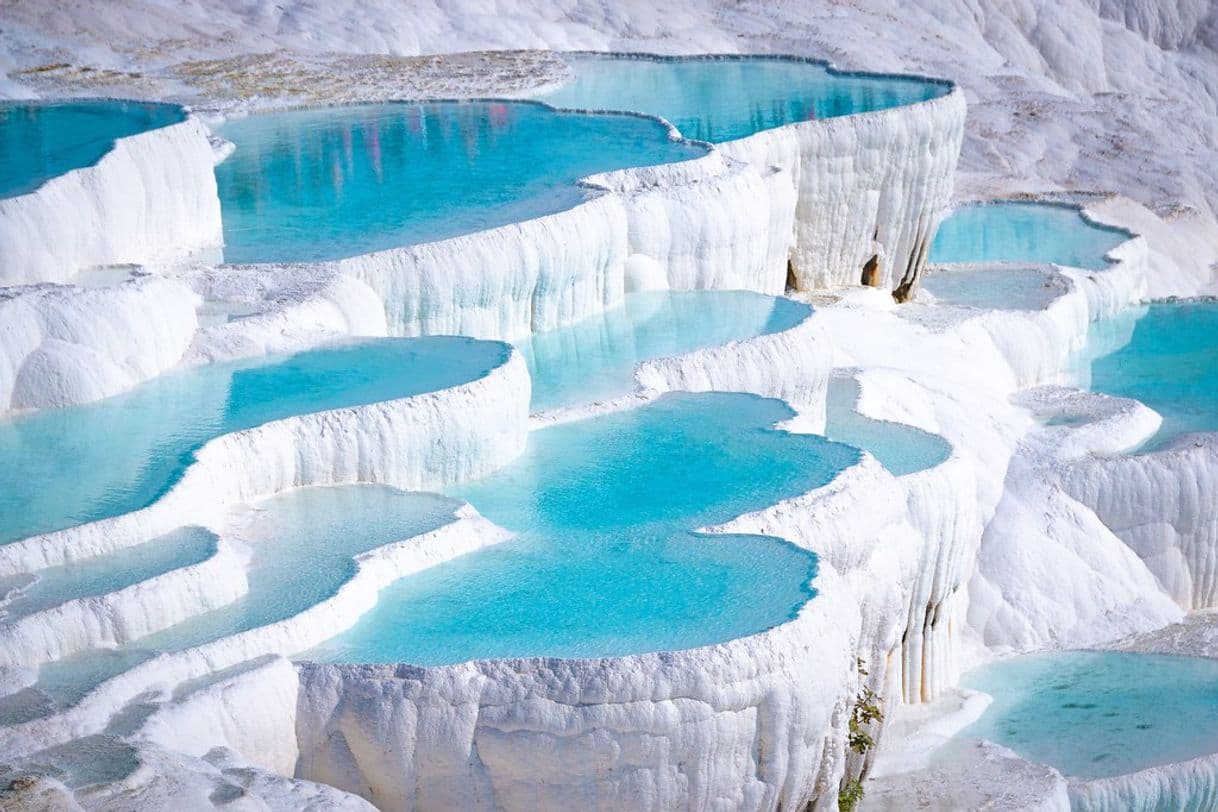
[942, 503]
[268, 310]
[1188, 786]
[1162, 505]
[61, 344]
[792, 365]
[151, 197]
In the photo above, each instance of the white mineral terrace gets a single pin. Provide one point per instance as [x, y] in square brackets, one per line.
[275, 458]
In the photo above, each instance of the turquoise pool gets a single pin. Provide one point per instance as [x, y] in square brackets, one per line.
[724, 98]
[595, 359]
[41, 140]
[342, 181]
[1024, 232]
[64, 467]
[1170, 364]
[1099, 714]
[606, 561]
[899, 448]
[302, 546]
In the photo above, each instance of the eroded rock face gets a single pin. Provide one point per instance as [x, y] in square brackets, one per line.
[882, 178]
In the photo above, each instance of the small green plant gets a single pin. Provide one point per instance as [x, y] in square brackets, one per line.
[850, 795]
[866, 711]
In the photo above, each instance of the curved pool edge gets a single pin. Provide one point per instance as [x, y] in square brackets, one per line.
[1086, 205]
[792, 365]
[116, 617]
[395, 442]
[793, 679]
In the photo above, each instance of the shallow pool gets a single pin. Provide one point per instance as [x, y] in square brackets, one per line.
[606, 561]
[900, 448]
[64, 467]
[725, 98]
[302, 548]
[108, 573]
[1170, 364]
[1024, 232]
[40, 140]
[1100, 714]
[595, 359]
[337, 182]
[996, 288]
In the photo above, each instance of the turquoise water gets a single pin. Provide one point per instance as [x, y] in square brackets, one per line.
[595, 358]
[64, 467]
[899, 448]
[606, 562]
[728, 98]
[1100, 714]
[338, 182]
[109, 573]
[303, 545]
[1170, 364]
[39, 140]
[996, 288]
[1024, 232]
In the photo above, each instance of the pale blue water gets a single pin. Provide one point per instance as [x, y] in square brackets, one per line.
[1024, 232]
[996, 288]
[109, 573]
[722, 99]
[1170, 364]
[342, 181]
[595, 359]
[606, 562]
[40, 140]
[63, 467]
[1100, 714]
[303, 545]
[900, 448]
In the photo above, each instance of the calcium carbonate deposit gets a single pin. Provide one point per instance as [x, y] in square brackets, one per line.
[710, 405]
